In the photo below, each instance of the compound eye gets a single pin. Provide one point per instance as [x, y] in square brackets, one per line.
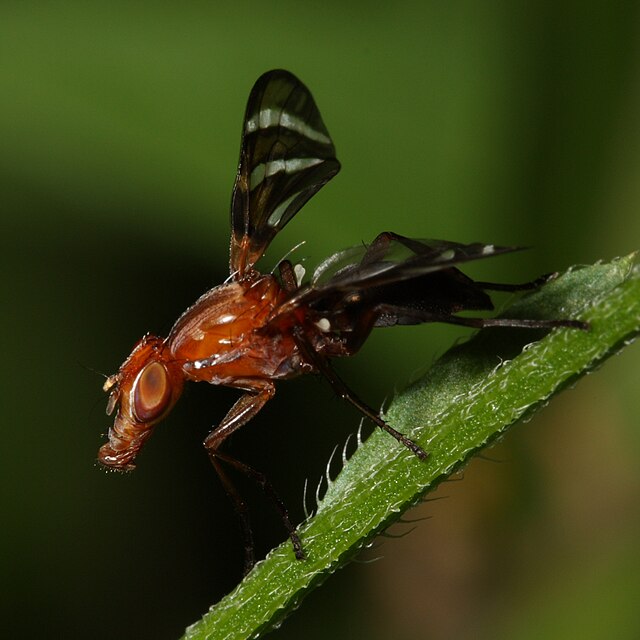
[152, 392]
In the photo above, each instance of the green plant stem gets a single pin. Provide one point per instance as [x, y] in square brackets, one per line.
[467, 399]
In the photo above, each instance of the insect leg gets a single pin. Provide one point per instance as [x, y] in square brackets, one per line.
[245, 408]
[323, 366]
[521, 323]
[416, 316]
[242, 513]
[377, 250]
[263, 482]
[378, 247]
[522, 286]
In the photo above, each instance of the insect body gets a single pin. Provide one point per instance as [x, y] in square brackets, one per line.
[256, 329]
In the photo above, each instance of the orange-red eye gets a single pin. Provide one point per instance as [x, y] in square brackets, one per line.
[152, 392]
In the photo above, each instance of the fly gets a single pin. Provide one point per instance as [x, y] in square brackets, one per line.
[256, 329]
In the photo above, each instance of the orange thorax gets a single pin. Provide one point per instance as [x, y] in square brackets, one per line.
[222, 337]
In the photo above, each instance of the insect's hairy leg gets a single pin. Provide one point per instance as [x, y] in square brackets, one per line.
[244, 409]
[521, 286]
[519, 323]
[242, 513]
[266, 486]
[323, 366]
[483, 323]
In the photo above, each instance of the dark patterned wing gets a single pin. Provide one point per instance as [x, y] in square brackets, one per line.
[286, 156]
[403, 273]
[391, 258]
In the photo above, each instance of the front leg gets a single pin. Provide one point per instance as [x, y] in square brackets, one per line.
[245, 408]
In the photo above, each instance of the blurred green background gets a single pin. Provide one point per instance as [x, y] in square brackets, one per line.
[506, 122]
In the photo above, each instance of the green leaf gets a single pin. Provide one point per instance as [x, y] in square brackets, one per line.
[467, 399]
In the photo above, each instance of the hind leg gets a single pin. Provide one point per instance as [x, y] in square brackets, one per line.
[523, 286]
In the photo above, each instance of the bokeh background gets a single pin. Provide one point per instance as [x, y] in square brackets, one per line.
[119, 133]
